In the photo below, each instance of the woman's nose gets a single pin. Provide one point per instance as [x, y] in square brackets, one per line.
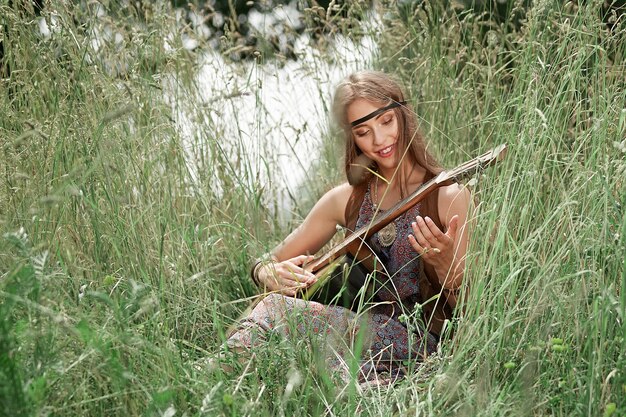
[378, 136]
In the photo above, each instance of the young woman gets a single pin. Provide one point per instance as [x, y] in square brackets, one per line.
[424, 249]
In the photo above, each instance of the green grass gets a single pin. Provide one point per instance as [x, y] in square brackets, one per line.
[126, 271]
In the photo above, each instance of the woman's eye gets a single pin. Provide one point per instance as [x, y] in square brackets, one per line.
[362, 133]
[387, 120]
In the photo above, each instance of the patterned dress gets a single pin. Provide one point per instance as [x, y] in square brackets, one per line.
[389, 331]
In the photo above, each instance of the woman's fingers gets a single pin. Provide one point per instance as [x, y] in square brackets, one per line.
[301, 259]
[293, 285]
[415, 244]
[428, 240]
[425, 230]
[417, 233]
[437, 234]
[429, 235]
[298, 272]
[423, 234]
[285, 286]
[293, 272]
[453, 227]
[298, 264]
[424, 250]
[291, 275]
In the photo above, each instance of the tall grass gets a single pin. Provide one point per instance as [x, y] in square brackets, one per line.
[119, 267]
[543, 329]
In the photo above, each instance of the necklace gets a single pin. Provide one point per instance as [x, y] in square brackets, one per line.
[386, 235]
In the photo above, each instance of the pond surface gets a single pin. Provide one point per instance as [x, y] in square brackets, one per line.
[266, 120]
[270, 118]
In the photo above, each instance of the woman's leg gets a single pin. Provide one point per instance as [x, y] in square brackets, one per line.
[333, 329]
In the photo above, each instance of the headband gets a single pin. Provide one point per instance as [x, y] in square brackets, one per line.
[375, 113]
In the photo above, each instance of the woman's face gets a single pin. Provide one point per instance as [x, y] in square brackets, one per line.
[377, 137]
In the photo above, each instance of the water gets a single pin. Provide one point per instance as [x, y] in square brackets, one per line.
[275, 113]
[267, 118]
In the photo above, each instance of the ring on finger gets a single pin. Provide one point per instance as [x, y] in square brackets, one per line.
[436, 250]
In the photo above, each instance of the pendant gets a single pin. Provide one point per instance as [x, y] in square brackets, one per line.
[387, 235]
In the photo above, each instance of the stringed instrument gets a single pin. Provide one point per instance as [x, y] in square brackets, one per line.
[349, 273]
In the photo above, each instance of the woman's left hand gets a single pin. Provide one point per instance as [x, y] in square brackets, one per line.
[436, 247]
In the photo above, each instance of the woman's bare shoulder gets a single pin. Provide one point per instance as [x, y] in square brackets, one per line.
[341, 191]
[453, 199]
[454, 190]
[332, 205]
[337, 198]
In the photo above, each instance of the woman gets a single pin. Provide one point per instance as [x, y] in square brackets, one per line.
[420, 251]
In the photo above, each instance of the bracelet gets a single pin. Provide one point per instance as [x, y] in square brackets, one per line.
[253, 271]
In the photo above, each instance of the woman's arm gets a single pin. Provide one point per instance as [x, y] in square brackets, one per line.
[445, 251]
[286, 272]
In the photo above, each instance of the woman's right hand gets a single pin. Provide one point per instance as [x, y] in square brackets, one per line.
[286, 277]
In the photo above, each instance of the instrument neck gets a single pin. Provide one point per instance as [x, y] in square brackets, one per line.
[380, 220]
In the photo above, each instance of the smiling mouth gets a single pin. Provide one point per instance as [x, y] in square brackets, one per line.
[386, 151]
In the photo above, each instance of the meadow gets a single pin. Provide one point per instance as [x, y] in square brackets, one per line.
[120, 265]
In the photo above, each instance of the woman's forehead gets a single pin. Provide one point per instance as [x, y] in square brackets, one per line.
[361, 108]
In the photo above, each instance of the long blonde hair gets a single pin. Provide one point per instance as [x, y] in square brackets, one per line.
[380, 88]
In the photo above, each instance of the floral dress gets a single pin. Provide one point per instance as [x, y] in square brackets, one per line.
[388, 332]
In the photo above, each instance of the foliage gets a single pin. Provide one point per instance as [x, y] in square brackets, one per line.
[121, 265]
